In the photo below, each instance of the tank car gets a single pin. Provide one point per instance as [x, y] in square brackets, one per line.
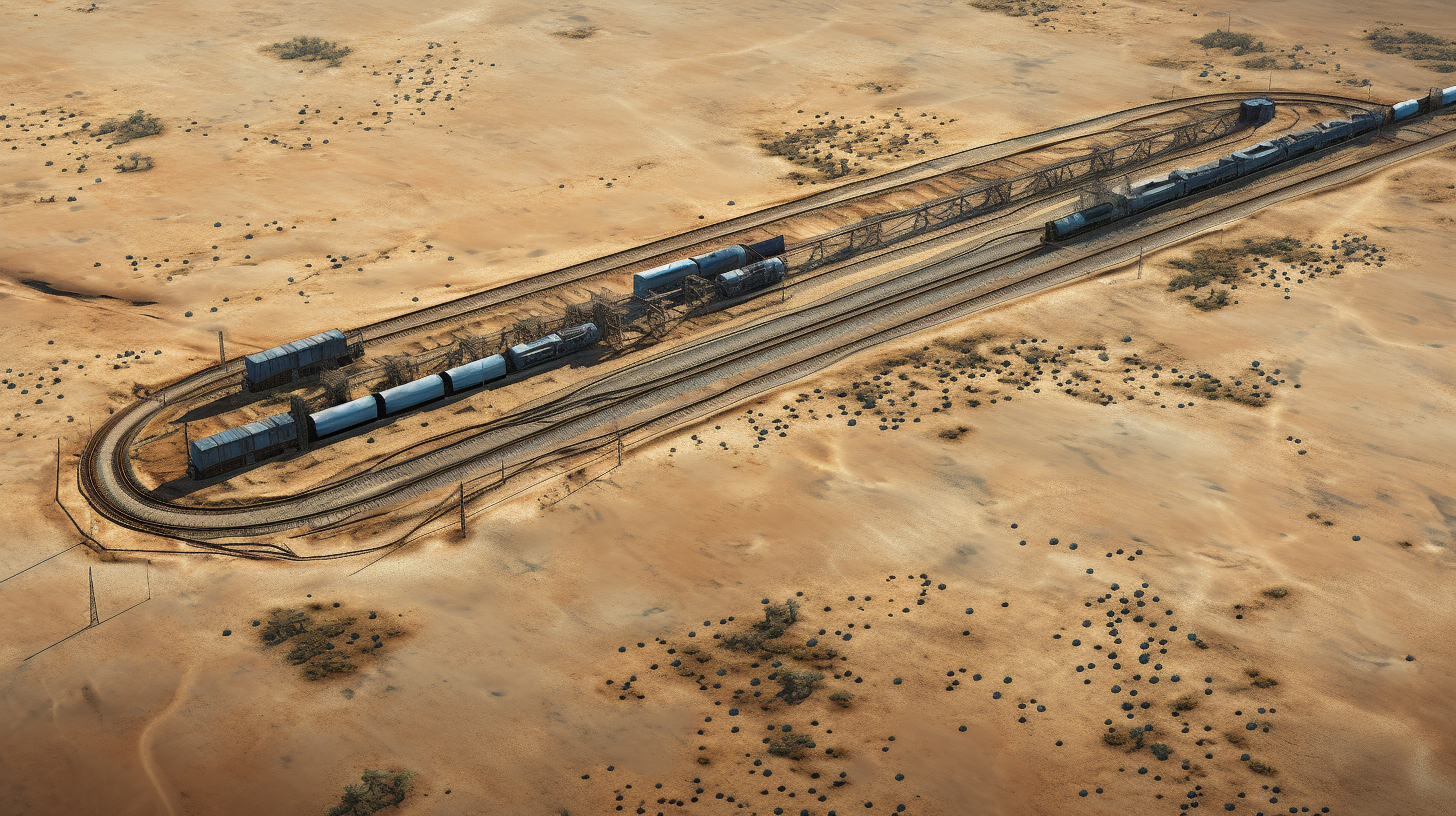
[709, 265]
[751, 277]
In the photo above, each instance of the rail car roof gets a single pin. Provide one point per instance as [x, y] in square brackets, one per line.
[211, 449]
[295, 346]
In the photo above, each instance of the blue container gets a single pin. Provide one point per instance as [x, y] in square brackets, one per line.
[1448, 96]
[407, 396]
[475, 374]
[1405, 110]
[263, 365]
[351, 414]
[232, 447]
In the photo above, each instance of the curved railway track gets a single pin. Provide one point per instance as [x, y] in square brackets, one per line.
[641, 395]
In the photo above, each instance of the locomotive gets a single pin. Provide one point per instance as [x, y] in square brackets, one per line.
[1159, 190]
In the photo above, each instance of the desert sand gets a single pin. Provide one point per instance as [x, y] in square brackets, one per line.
[1303, 537]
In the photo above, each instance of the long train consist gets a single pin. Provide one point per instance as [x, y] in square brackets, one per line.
[734, 271]
[255, 441]
[1152, 192]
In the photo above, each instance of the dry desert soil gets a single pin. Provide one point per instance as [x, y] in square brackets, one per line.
[1117, 548]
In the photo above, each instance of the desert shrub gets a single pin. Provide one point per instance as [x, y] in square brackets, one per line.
[311, 49]
[792, 746]
[1185, 703]
[329, 665]
[136, 126]
[1116, 739]
[135, 163]
[797, 686]
[776, 620]
[1258, 680]
[283, 624]
[1264, 63]
[953, 433]
[1279, 591]
[379, 791]
[842, 698]
[1161, 751]
[1259, 767]
[577, 33]
[1239, 43]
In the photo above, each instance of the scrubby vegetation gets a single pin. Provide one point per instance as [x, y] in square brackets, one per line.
[777, 618]
[135, 163]
[1431, 51]
[797, 685]
[1258, 680]
[1161, 751]
[1279, 591]
[577, 33]
[793, 746]
[1034, 8]
[136, 126]
[1185, 703]
[1260, 767]
[311, 49]
[321, 647]
[378, 791]
[1237, 42]
[1209, 265]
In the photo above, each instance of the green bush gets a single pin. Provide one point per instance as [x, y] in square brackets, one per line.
[311, 49]
[379, 791]
[136, 126]
[1239, 43]
[1161, 751]
[135, 163]
[797, 686]
[792, 746]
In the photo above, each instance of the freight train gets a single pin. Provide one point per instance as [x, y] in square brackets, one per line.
[715, 266]
[734, 271]
[237, 447]
[1155, 191]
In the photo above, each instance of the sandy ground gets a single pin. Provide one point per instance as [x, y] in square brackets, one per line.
[496, 691]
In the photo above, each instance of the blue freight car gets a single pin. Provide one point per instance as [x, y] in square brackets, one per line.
[475, 374]
[412, 394]
[710, 265]
[341, 418]
[241, 446]
[282, 364]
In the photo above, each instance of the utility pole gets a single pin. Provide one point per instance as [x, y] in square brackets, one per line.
[1140, 264]
[91, 581]
[221, 352]
[619, 452]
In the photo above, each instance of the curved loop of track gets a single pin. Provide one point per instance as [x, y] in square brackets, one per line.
[107, 486]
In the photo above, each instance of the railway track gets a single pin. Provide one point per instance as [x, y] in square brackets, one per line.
[663, 387]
